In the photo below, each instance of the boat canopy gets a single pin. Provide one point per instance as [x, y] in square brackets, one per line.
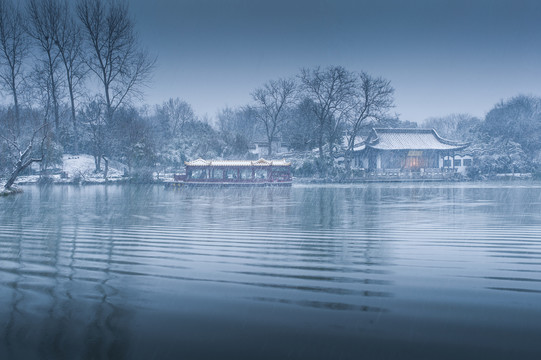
[237, 163]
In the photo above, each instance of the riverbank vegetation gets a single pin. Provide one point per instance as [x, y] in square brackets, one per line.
[73, 79]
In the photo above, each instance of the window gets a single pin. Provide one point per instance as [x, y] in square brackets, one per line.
[198, 174]
[217, 174]
[446, 163]
[467, 162]
[230, 174]
[457, 162]
[246, 174]
[260, 174]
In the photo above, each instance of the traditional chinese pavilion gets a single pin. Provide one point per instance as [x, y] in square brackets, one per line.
[238, 172]
[405, 150]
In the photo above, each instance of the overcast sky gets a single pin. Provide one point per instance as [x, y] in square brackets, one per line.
[442, 57]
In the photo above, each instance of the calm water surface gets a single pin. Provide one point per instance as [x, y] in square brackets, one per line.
[333, 272]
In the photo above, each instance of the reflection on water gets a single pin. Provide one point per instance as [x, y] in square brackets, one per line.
[382, 271]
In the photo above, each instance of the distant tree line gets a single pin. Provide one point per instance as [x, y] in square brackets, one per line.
[507, 140]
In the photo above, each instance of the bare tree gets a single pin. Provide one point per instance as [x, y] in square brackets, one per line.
[457, 126]
[299, 132]
[13, 49]
[371, 103]
[272, 102]
[329, 91]
[239, 121]
[42, 26]
[24, 158]
[174, 114]
[227, 119]
[116, 58]
[68, 40]
[92, 116]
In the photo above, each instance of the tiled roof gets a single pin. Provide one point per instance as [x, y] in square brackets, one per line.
[259, 163]
[410, 139]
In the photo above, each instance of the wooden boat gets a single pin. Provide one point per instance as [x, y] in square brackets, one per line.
[261, 172]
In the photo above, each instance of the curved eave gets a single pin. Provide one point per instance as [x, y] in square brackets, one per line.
[449, 142]
[448, 148]
[411, 139]
[240, 165]
[237, 163]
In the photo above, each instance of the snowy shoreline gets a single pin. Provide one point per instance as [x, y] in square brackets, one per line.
[80, 170]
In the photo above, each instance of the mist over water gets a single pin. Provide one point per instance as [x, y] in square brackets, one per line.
[372, 271]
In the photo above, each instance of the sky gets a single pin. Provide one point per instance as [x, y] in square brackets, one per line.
[442, 57]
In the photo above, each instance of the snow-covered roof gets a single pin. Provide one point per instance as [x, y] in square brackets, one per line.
[237, 163]
[410, 139]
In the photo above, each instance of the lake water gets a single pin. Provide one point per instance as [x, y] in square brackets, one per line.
[378, 271]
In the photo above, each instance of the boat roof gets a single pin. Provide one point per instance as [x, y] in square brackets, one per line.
[410, 139]
[237, 163]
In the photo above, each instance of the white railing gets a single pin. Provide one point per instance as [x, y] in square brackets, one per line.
[427, 173]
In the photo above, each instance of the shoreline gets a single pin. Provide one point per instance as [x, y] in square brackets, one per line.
[303, 181]
[18, 188]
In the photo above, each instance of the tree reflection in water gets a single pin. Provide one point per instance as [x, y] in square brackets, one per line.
[419, 270]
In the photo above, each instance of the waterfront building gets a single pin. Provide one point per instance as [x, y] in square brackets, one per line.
[411, 151]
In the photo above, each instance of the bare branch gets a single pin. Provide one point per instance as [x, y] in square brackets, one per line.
[272, 102]
[13, 49]
[117, 60]
[24, 159]
[330, 91]
[372, 100]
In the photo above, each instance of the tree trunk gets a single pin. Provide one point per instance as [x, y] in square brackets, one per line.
[321, 163]
[348, 154]
[106, 170]
[54, 93]
[347, 160]
[56, 112]
[108, 103]
[269, 151]
[331, 151]
[20, 167]
[97, 162]
[74, 119]
[17, 113]
[55, 104]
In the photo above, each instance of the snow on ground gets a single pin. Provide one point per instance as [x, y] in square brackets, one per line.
[83, 166]
[77, 169]
[80, 168]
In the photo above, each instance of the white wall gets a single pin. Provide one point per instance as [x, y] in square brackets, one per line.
[459, 159]
[262, 150]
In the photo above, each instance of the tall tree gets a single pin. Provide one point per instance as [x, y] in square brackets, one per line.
[329, 91]
[299, 131]
[517, 119]
[68, 40]
[115, 57]
[13, 49]
[373, 97]
[272, 103]
[93, 118]
[240, 121]
[173, 114]
[42, 26]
